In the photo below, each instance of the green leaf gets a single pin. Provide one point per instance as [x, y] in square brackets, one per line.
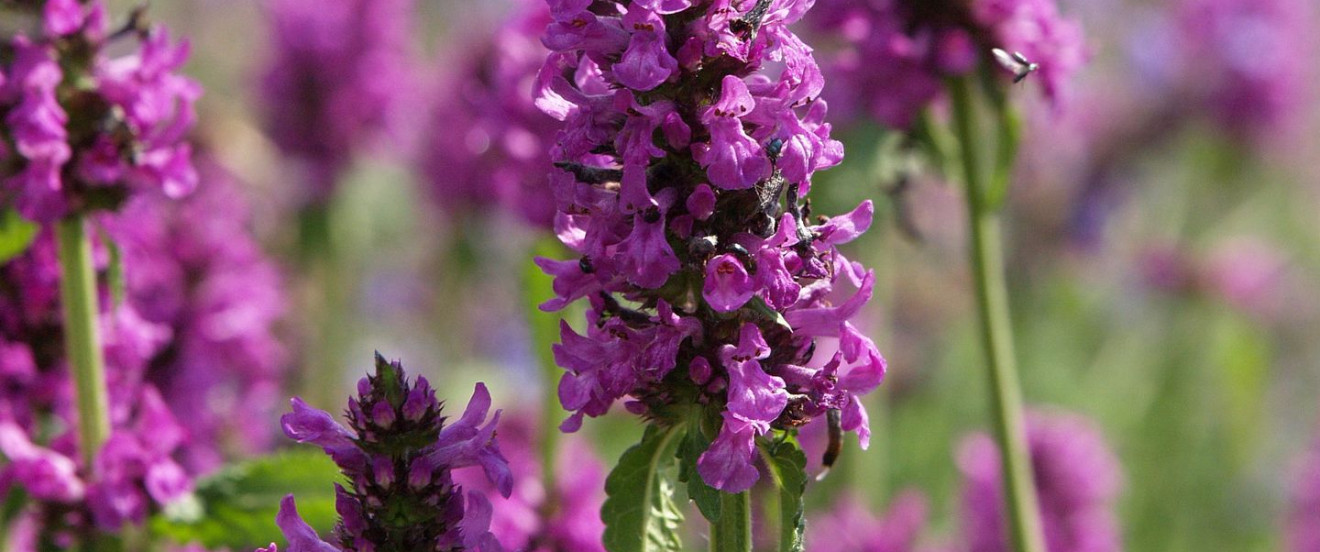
[706, 497]
[236, 507]
[640, 513]
[788, 468]
[759, 306]
[16, 234]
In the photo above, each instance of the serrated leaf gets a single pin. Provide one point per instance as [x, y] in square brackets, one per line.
[788, 468]
[640, 513]
[16, 234]
[236, 507]
[705, 496]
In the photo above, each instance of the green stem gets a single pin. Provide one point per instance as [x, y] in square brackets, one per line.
[538, 287]
[82, 340]
[733, 531]
[997, 335]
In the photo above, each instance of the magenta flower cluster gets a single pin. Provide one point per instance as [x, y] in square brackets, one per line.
[1077, 479]
[891, 56]
[690, 134]
[487, 144]
[338, 74]
[398, 455]
[83, 129]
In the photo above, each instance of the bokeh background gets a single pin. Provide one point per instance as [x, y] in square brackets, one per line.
[1163, 243]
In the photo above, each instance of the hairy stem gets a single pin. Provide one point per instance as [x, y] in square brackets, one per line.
[733, 531]
[987, 263]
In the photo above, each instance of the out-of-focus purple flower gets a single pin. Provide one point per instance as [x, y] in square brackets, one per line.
[337, 78]
[537, 519]
[194, 323]
[1245, 272]
[487, 144]
[1304, 513]
[1077, 481]
[690, 136]
[888, 58]
[1246, 62]
[398, 455]
[122, 125]
[850, 527]
[192, 266]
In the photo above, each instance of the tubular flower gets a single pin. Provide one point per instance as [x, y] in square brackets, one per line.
[398, 456]
[83, 130]
[1077, 478]
[894, 54]
[682, 163]
[488, 144]
[338, 72]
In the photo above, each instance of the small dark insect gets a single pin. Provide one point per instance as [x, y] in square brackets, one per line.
[1017, 63]
[774, 148]
[585, 265]
[834, 423]
[747, 25]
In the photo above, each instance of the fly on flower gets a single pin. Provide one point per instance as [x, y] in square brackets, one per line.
[1017, 63]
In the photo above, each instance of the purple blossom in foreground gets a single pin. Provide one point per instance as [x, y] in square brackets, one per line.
[1304, 515]
[398, 455]
[850, 527]
[80, 142]
[337, 75]
[690, 134]
[890, 57]
[1077, 480]
[487, 144]
[193, 266]
[536, 519]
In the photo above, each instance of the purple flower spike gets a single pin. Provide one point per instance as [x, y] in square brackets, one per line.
[400, 459]
[684, 206]
[138, 111]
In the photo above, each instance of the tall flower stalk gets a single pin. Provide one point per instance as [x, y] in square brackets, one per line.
[987, 262]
